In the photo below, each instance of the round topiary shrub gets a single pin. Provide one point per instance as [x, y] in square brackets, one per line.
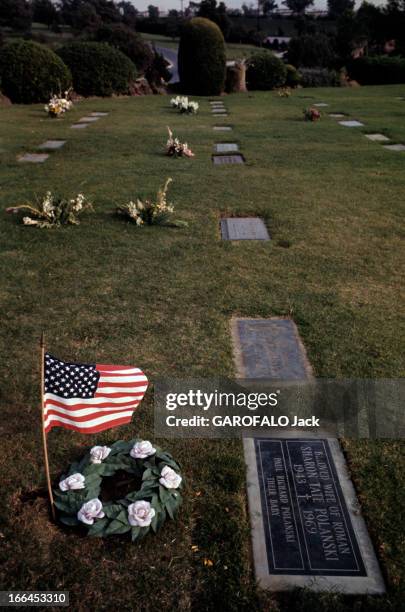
[129, 42]
[98, 69]
[293, 78]
[30, 72]
[265, 71]
[201, 58]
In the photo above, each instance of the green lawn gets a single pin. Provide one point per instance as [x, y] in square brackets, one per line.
[233, 50]
[162, 299]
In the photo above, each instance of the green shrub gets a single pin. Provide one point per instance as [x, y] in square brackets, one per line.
[201, 58]
[129, 42]
[377, 70]
[265, 71]
[293, 78]
[30, 72]
[319, 77]
[98, 69]
[311, 51]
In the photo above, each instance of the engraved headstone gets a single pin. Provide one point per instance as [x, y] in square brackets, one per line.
[222, 128]
[52, 144]
[248, 228]
[352, 123]
[395, 147]
[270, 349]
[34, 158]
[221, 160]
[306, 527]
[377, 137]
[226, 147]
[88, 119]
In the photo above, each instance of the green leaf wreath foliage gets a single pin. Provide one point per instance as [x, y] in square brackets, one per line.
[53, 211]
[151, 212]
[158, 497]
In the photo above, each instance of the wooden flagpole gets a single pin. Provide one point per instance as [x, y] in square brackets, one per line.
[44, 441]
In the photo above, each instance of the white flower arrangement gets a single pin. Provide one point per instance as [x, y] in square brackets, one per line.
[53, 212]
[146, 508]
[184, 105]
[151, 212]
[175, 148]
[58, 105]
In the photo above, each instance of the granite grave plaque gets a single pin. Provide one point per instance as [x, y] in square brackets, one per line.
[377, 137]
[88, 119]
[222, 128]
[321, 104]
[270, 349]
[52, 144]
[226, 147]
[79, 126]
[306, 527]
[98, 114]
[33, 158]
[352, 123]
[395, 147]
[221, 160]
[336, 115]
[248, 228]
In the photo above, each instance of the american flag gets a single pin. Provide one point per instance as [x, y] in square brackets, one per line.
[89, 398]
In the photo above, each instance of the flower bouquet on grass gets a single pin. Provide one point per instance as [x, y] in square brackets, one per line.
[284, 92]
[311, 114]
[184, 105]
[58, 105]
[175, 148]
[151, 212]
[52, 212]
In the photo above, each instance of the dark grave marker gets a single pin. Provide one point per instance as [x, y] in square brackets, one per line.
[247, 228]
[221, 160]
[270, 349]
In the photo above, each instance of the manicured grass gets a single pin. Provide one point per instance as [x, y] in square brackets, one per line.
[233, 50]
[161, 298]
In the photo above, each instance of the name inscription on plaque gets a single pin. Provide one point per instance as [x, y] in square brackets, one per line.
[307, 526]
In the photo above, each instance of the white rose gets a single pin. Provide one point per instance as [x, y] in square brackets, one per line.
[99, 453]
[73, 482]
[90, 510]
[141, 450]
[169, 478]
[140, 514]
[29, 221]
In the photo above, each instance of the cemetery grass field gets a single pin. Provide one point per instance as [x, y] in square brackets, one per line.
[162, 299]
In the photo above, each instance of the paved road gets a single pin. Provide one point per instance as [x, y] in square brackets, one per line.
[171, 56]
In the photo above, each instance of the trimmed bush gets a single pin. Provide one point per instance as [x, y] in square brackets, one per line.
[129, 42]
[201, 58]
[293, 78]
[30, 72]
[319, 77]
[311, 51]
[98, 69]
[265, 71]
[377, 70]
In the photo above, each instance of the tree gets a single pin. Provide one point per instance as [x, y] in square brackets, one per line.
[153, 12]
[267, 6]
[216, 13]
[129, 13]
[15, 14]
[44, 11]
[336, 8]
[298, 7]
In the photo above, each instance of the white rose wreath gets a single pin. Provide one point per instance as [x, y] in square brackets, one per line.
[77, 497]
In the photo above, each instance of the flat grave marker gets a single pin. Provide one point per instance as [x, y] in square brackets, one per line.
[88, 119]
[223, 160]
[336, 115]
[307, 531]
[244, 228]
[270, 349]
[52, 144]
[395, 147]
[321, 104]
[79, 126]
[226, 147]
[222, 128]
[377, 137]
[352, 123]
[33, 158]
[98, 114]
